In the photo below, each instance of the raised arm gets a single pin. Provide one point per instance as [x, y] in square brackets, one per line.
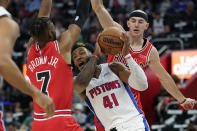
[103, 15]
[70, 36]
[167, 81]
[8, 69]
[45, 8]
[45, 11]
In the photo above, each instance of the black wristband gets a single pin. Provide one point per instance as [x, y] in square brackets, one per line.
[82, 12]
[183, 101]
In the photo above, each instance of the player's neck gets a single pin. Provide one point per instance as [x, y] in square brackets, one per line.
[42, 44]
[136, 41]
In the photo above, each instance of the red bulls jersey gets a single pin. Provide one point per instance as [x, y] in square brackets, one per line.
[48, 71]
[141, 57]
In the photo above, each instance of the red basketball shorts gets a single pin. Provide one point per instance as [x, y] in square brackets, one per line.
[60, 123]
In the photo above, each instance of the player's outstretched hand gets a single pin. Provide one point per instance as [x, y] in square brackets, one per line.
[125, 48]
[46, 103]
[188, 104]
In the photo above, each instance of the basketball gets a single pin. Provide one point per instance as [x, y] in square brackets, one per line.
[110, 42]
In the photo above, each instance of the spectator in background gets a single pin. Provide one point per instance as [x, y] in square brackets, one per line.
[89, 124]
[164, 6]
[117, 3]
[10, 122]
[27, 123]
[18, 115]
[78, 114]
[180, 5]
[122, 20]
[190, 15]
[59, 28]
[192, 126]
[11, 127]
[148, 7]
[159, 26]
[92, 39]
[161, 100]
[138, 4]
[32, 5]
[117, 6]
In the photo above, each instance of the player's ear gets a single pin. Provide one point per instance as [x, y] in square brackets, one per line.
[50, 35]
[128, 23]
[147, 25]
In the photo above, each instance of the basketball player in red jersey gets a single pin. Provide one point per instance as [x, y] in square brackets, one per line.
[9, 32]
[48, 67]
[141, 50]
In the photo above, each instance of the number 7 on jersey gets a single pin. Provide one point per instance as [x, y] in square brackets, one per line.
[45, 77]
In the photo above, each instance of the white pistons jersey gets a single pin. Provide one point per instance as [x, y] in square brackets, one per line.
[4, 12]
[113, 103]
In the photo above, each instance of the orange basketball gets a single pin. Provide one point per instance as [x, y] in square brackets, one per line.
[110, 42]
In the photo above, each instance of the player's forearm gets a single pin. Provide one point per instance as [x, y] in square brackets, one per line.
[97, 5]
[12, 74]
[137, 78]
[103, 15]
[45, 8]
[84, 77]
[168, 83]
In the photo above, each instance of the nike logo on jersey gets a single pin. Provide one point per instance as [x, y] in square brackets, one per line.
[104, 88]
[76, 18]
[106, 74]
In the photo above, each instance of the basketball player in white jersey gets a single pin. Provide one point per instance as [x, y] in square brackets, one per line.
[9, 32]
[105, 88]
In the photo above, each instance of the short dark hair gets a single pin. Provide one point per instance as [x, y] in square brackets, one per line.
[40, 26]
[79, 44]
[75, 46]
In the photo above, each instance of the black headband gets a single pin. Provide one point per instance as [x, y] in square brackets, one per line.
[139, 14]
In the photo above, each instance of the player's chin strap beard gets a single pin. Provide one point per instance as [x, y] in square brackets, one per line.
[139, 14]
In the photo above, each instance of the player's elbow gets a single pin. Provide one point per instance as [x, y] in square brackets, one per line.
[139, 84]
[3, 63]
[143, 85]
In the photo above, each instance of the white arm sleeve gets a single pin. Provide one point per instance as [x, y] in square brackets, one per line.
[137, 79]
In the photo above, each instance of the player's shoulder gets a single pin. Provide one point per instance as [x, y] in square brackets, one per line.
[154, 55]
[9, 24]
[153, 51]
[115, 64]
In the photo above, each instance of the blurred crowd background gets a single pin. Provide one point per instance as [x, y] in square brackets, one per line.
[167, 18]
